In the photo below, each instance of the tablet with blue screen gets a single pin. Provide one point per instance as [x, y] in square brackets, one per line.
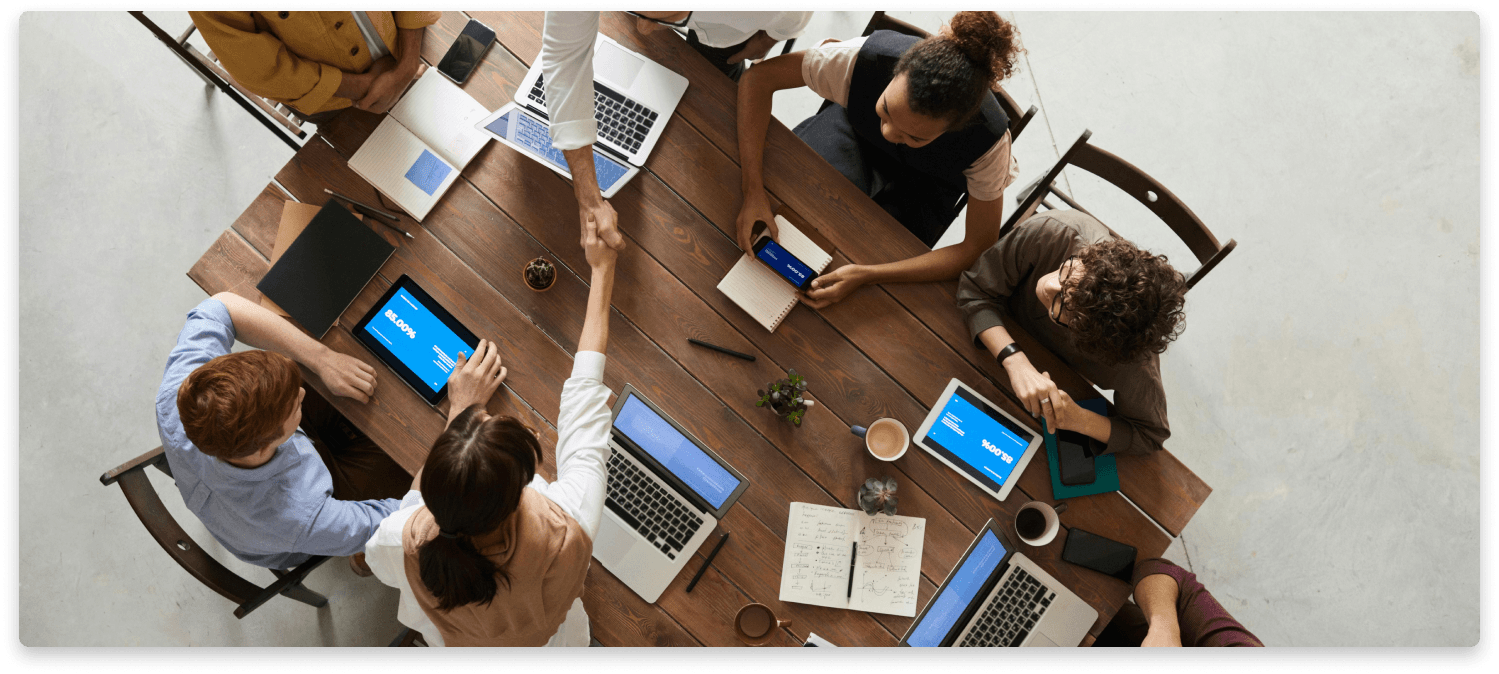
[416, 337]
[514, 126]
[976, 438]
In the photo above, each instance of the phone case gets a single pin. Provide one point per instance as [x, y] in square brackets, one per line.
[1077, 466]
[1106, 556]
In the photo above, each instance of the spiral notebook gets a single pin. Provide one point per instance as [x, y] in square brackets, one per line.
[761, 292]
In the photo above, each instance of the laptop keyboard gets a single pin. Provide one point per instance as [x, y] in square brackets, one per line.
[622, 121]
[646, 507]
[1009, 619]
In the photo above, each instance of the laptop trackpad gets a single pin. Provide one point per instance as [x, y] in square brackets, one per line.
[614, 543]
[616, 66]
[1039, 639]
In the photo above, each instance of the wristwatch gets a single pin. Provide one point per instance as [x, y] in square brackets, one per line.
[1009, 350]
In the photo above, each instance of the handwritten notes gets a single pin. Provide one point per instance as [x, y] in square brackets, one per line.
[820, 549]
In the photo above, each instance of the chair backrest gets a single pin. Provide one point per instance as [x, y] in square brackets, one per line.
[1136, 183]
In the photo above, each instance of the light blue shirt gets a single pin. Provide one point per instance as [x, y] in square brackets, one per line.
[275, 515]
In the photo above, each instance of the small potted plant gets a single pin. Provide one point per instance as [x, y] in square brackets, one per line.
[877, 496]
[787, 397]
[539, 274]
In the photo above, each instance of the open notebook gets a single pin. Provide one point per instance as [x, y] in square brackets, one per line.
[821, 568]
[417, 151]
[761, 292]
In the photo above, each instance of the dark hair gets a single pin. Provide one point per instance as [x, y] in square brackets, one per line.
[1126, 302]
[949, 74]
[235, 405]
[472, 482]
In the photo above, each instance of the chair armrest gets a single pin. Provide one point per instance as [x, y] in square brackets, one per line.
[155, 457]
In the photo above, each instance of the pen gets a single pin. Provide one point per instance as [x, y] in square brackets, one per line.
[371, 210]
[851, 559]
[711, 554]
[720, 349]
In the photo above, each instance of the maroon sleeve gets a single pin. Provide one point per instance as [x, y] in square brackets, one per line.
[1203, 621]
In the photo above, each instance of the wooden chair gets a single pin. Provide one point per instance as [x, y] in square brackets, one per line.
[1134, 182]
[287, 125]
[132, 478]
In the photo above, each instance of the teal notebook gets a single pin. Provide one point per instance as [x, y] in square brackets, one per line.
[1105, 472]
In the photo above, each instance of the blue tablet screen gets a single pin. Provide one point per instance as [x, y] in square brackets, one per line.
[979, 437]
[417, 338]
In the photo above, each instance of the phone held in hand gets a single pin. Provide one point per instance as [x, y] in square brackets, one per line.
[1091, 551]
[786, 265]
[464, 56]
[1076, 466]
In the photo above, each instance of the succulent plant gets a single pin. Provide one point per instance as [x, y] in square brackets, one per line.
[787, 397]
[877, 496]
[540, 274]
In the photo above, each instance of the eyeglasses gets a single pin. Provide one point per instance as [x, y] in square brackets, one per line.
[679, 24]
[1058, 302]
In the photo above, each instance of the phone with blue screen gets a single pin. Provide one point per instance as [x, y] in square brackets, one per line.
[785, 265]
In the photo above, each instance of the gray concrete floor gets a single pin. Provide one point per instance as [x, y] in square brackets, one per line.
[1326, 386]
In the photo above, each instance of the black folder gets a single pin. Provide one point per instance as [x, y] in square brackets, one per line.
[325, 268]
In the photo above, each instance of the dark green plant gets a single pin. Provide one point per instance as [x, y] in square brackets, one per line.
[876, 496]
[787, 397]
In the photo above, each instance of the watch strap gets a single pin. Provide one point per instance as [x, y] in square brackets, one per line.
[1009, 350]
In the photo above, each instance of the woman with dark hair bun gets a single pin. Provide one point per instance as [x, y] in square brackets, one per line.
[484, 551]
[1105, 307]
[913, 123]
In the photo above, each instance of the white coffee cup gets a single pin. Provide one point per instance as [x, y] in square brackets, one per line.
[1053, 523]
[878, 428]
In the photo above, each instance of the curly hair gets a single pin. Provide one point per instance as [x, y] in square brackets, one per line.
[948, 74]
[1126, 303]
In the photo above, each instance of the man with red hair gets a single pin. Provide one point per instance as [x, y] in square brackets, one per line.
[271, 493]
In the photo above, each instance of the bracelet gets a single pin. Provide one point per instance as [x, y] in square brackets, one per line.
[1009, 350]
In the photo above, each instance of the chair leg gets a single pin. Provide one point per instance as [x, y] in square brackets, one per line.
[300, 593]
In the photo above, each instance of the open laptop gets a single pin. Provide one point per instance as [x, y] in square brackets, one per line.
[997, 597]
[666, 494]
[976, 438]
[633, 97]
[528, 134]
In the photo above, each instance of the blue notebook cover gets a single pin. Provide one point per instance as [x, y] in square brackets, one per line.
[1105, 472]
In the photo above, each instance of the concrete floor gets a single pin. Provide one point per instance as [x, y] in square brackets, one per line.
[1326, 386]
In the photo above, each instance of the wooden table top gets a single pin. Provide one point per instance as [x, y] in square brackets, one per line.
[885, 351]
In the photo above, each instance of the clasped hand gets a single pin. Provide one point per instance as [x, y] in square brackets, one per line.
[345, 375]
[1041, 396]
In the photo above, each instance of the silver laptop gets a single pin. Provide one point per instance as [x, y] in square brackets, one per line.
[633, 97]
[666, 494]
[528, 134]
[997, 597]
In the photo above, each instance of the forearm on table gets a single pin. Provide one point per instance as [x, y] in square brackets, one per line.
[939, 265]
[756, 87]
[263, 329]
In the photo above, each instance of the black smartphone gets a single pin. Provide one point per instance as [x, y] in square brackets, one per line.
[1074, 464]
[466, 52]
[792, 270]
[1091, 551]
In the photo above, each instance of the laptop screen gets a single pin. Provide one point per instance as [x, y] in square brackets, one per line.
[953, 601]
[638, 422]
[534, 135]
[974, 435]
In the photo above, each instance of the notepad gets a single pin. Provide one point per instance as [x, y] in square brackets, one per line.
[1105, 468]
[416, 153]
[820, 551]
[762, 293]
[295, 216]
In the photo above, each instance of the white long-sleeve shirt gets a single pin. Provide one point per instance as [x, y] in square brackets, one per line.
[582, 443]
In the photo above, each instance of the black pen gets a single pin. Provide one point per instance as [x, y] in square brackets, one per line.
[373, 212]
[851, 559]
[711, 554]
[720, 349]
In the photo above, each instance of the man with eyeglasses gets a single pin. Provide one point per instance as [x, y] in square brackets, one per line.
[1105, 307]
[567, 69]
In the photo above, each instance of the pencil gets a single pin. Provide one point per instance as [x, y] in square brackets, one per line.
[711, 554]
[720, 349]
[371, 210]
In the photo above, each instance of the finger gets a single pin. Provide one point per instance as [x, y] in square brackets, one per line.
[503, 372]
[1049, 411]
[356, 394]
[469, 364]
[462, 359]
[490, 359]
[494, 367]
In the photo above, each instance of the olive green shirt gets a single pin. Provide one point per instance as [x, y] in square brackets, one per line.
[1000, 289]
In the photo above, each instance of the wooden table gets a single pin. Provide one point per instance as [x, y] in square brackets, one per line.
[883, 351]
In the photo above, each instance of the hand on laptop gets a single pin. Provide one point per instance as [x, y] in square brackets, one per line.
[345, 375]
[474, 380]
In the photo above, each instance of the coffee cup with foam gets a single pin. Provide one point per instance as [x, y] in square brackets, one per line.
[886, 439]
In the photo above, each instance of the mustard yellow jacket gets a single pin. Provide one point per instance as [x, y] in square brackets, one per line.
[299, 58]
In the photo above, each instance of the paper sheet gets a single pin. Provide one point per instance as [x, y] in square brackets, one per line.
[442, 116]
[886, 574]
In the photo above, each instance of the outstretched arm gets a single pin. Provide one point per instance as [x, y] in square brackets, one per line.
[755, 90]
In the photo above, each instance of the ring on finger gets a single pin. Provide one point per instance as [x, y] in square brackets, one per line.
[1046, 401]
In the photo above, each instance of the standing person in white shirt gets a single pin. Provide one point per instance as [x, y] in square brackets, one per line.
[728, 39]
[567, 71]
[484, 551]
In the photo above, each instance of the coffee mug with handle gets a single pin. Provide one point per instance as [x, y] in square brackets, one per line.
[1049, 515]
[756, 624]
[877, 428]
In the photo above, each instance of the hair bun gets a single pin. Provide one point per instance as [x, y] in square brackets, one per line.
[987, 40]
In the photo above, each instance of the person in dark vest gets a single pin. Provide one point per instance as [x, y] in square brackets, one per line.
[913, 123]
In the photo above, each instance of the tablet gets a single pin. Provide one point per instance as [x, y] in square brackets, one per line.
[514, 126]
[416, 337]
[976, 438]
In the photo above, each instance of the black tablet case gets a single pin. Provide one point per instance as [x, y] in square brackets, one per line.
[325, 268]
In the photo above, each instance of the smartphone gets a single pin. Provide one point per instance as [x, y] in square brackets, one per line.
[466, 52]
[1075, 466]
[794, 271]
[1091, 551]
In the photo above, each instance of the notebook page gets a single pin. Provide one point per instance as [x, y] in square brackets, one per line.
[797, 243]
[819, 544]
[443, 116]
[391, 154]
[758, 290]
[888, 571]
